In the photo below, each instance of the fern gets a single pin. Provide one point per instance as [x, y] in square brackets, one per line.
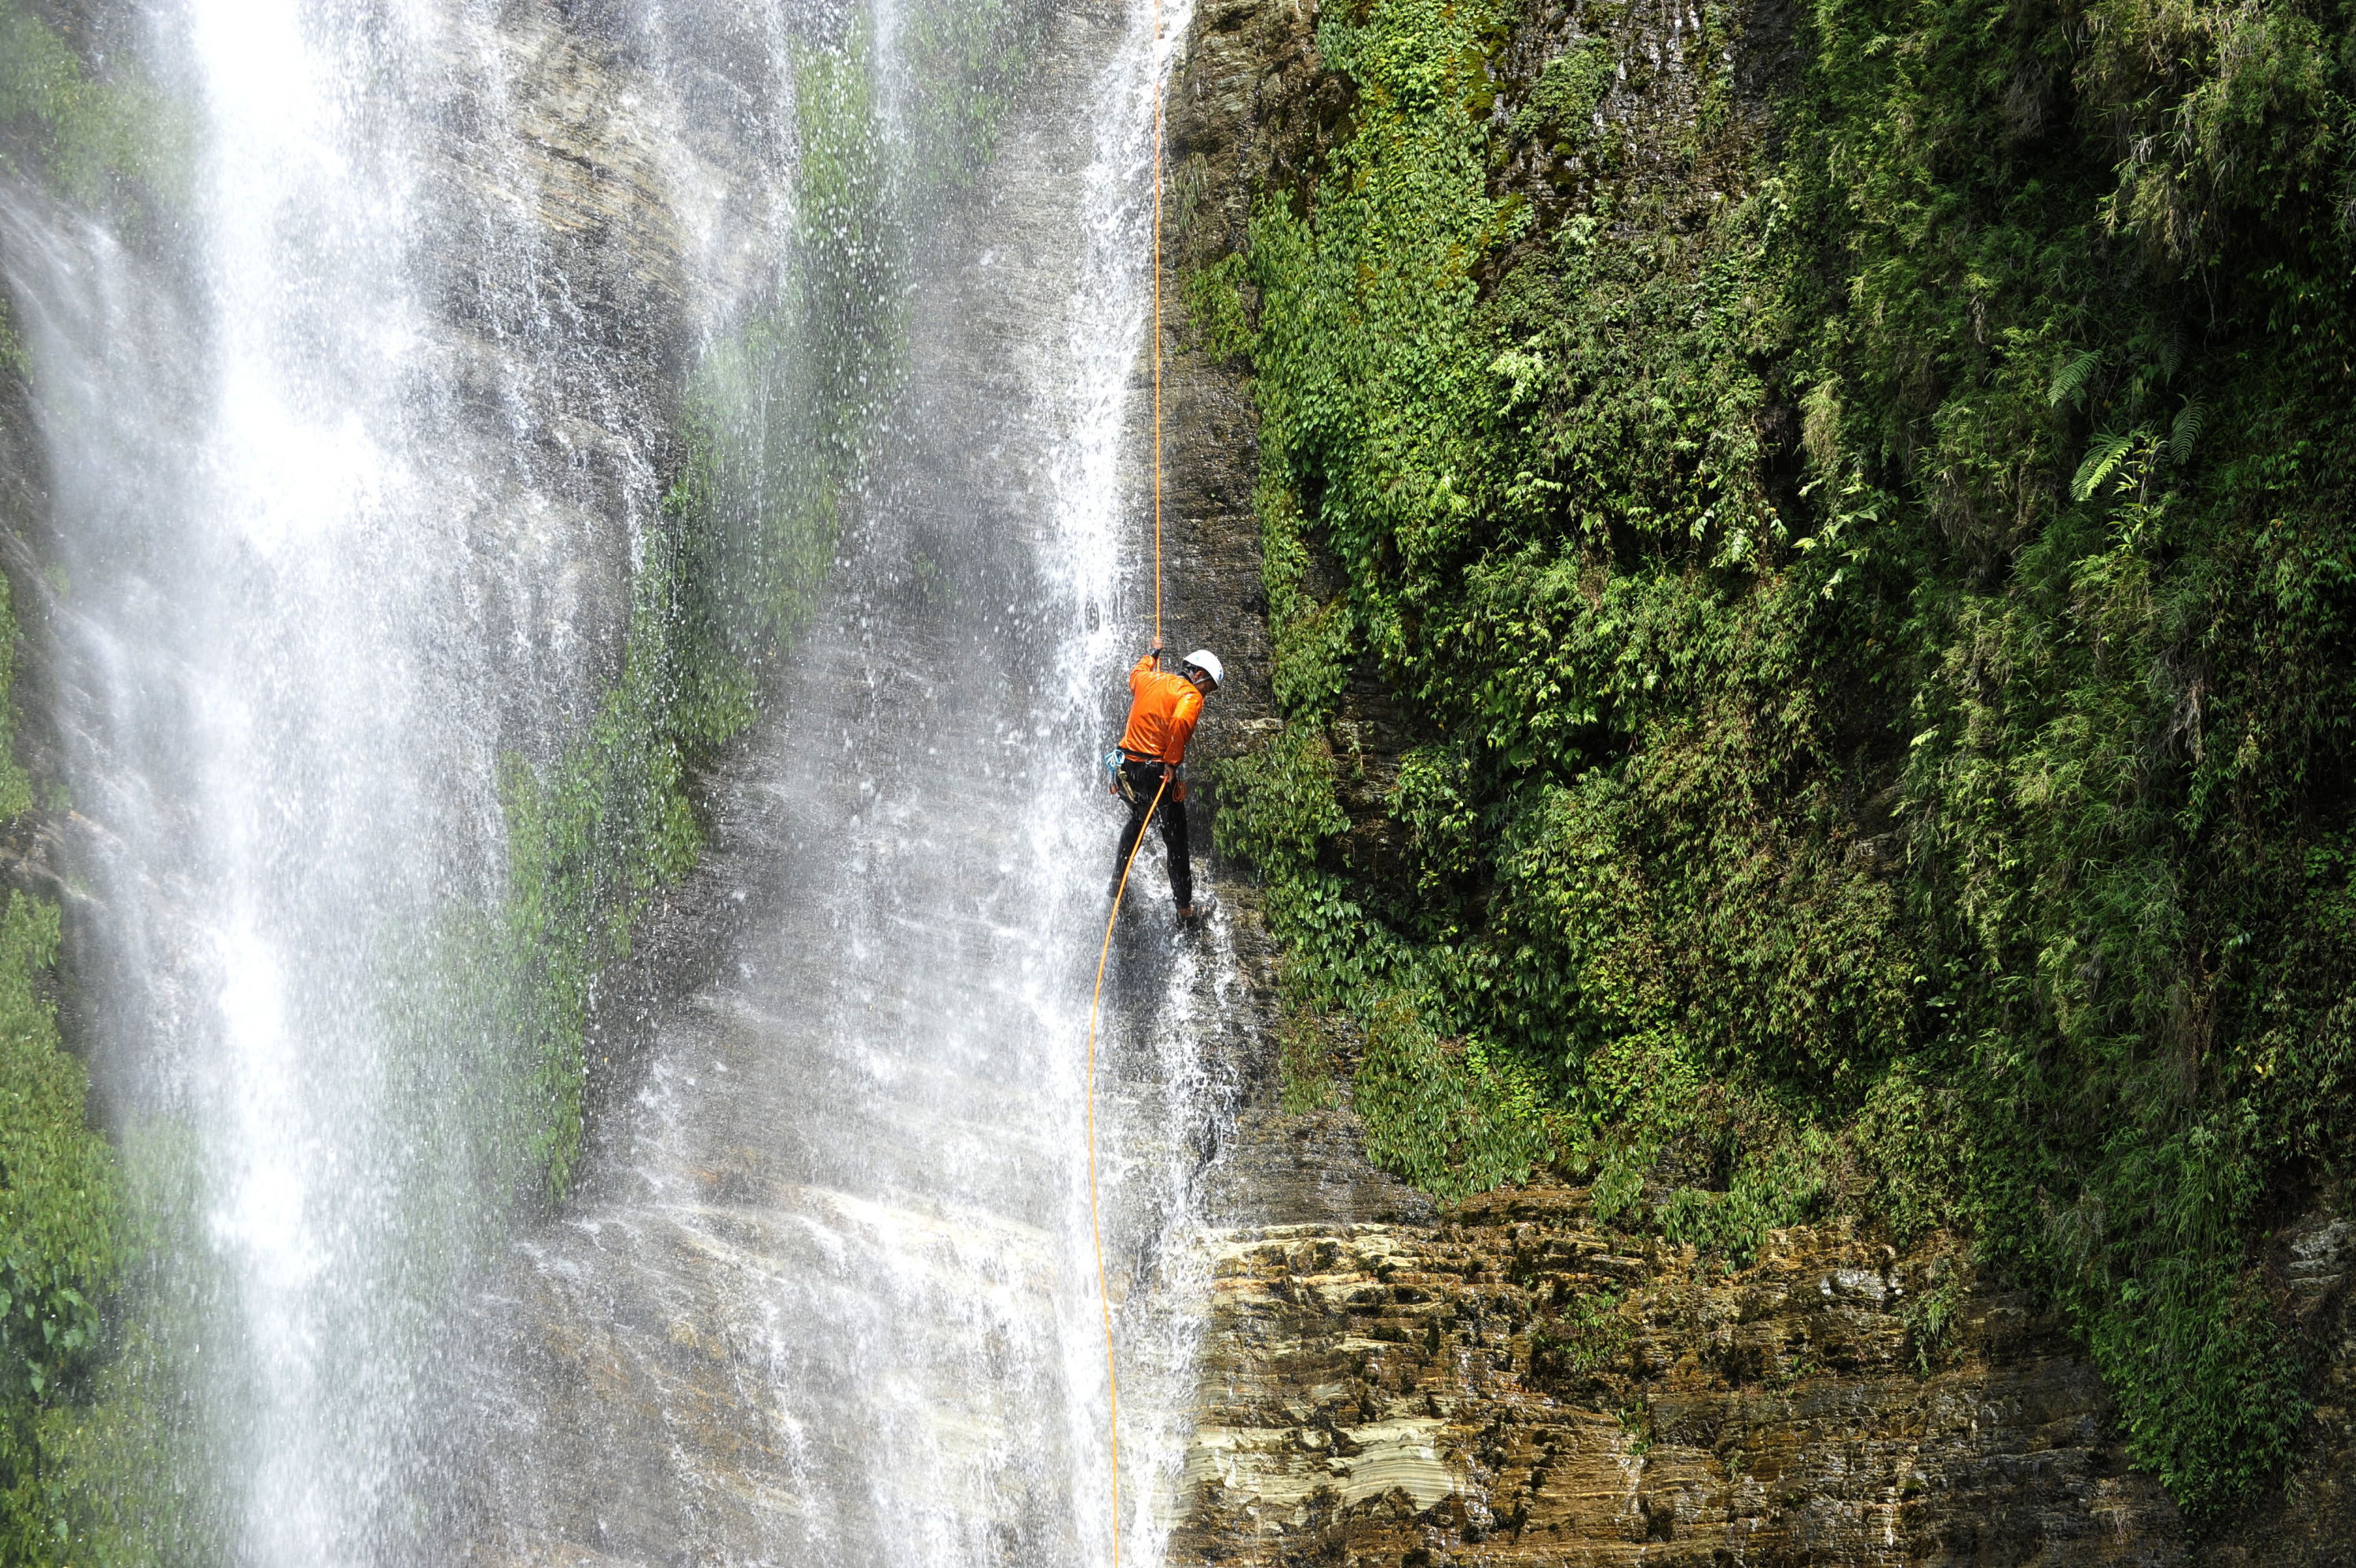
[2101, 458]
[2187, 432]
[2070, 380]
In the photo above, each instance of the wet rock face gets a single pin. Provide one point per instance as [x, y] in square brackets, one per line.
[603, 197]
[1518, 1384]
[2311, 1270]
[807, 1304]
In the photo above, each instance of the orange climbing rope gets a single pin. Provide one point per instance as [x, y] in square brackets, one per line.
[1104, 1292]
[1095, 1002]
[1157, 322]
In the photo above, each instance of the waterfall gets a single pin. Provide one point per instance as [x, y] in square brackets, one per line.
[833, 1296]
[366, 417]
[278, 718]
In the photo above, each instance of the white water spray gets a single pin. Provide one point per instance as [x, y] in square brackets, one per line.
[351, 470]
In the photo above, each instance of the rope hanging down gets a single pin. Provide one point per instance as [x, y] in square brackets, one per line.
[1104, 1294]
[1157, 321]
[1095, 1002]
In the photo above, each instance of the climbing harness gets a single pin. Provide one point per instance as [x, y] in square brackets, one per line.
[1096, 1225]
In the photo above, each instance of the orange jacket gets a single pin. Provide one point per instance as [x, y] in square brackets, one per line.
[1161, 714]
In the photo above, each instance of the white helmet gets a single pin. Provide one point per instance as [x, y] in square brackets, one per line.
[1208, 663]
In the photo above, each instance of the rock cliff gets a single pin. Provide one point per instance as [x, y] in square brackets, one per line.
[1388, 1381]
[1515, 1380]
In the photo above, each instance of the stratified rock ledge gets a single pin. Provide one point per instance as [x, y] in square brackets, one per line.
[1515, 1382]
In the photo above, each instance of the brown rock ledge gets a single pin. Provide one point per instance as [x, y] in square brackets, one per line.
[1513, 1384]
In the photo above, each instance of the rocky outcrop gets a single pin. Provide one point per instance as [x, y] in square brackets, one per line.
[1516, 1380]
[1511, 1383]
[1508, 1381]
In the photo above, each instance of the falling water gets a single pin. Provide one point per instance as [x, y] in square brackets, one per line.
[278, 717]
[357, 431]
[833, 1294]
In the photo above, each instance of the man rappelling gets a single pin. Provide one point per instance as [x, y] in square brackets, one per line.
[1162, 708]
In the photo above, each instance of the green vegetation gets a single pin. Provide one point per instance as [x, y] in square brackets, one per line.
[15, 785]
[80, 1477]
[83, 137]
[1876, 599]
[65, 1238]
[1588, 1337]
[61, 1242]
[134, 1472]
[88, 136]
[12, 360]
[961, 65]
[66, 1233]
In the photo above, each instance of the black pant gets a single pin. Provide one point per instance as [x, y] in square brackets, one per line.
[1138, 781]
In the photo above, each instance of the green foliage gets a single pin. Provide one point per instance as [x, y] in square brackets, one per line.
[1314, 643]
[849, 242]
[98, 1311]
[1281, 801]
[1304, 1065]
[135, 1471]
[1368, 358]
[1932, 1316]
[1875, 609]
[1560, 107]
[59, 1207]
[963, 62]
[1588, 1338]
[588, 844]
[1444, 1113]
[63, 1237]
[1911, 1138]
[61, 1242]
[15, 785]
[1217, 309]
[1784, 1183]
[12, 358]
[86, 134]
